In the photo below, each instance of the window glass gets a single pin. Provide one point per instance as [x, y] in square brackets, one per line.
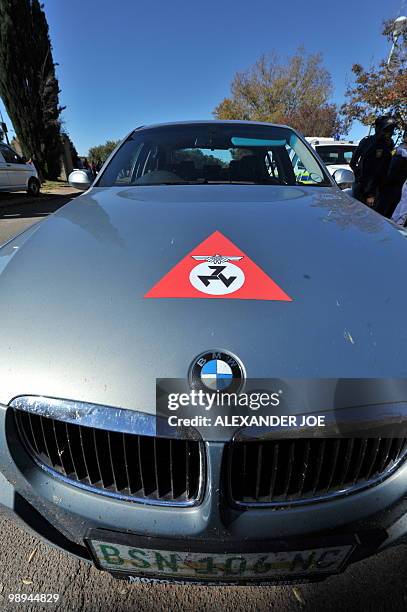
[9, 155]
[214, 153]
[336, 154]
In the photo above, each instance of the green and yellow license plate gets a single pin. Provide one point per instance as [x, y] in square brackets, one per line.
[230, 566]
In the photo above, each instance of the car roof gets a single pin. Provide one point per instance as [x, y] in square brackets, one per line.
[213, 121]
[323, 141]
[336, 143]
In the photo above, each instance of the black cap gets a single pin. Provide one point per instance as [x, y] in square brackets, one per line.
[385, 123]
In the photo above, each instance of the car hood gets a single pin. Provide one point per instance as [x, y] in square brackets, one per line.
[75, 323]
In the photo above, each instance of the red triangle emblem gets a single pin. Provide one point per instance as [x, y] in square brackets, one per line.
[216, 268]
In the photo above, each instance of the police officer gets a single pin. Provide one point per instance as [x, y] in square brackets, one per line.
[390, 192]
[371, 160]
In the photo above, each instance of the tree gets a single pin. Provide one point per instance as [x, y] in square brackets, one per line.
[295, 92]
[99, 154]
[15, 145]
[28, 84]
[198, 157]
[74, 153]
[381, 89]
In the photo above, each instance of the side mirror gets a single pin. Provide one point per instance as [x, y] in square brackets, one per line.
[79, 179]
[344, 178]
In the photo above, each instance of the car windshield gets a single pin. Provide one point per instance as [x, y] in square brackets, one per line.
[213, 153]
[336, 154]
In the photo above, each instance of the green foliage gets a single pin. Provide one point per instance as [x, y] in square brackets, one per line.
[99, 154]
[295, 92]
[381, 89]
[198, 157]
[74, 153]
[28, 83]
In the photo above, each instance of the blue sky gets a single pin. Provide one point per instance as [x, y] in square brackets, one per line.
[127, 63]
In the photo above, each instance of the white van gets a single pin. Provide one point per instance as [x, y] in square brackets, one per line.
[336, 154]
[16, 174]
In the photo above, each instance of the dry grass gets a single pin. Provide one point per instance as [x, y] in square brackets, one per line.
[51, 185]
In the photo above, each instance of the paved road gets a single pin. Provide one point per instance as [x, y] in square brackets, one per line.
[18, 211]
[375, 584]
[29, 566]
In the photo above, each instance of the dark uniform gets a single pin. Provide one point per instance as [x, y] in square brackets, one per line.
[390, 193]
[370, 163]
[371, 160]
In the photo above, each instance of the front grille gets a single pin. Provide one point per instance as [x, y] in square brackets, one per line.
[141, 468]
[285, 472]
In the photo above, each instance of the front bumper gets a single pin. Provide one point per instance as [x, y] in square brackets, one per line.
[67, 516]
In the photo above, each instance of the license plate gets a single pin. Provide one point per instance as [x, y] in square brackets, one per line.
[230, 566]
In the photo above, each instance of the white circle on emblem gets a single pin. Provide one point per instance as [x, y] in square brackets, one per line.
[217, 279]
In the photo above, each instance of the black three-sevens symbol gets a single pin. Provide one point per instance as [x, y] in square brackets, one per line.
[217, 275]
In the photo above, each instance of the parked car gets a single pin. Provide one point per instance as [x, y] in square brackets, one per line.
[336, 154]
[198, 255]
[16, 173]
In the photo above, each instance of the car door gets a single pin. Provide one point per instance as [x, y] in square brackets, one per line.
[4, 180]
[16, 168]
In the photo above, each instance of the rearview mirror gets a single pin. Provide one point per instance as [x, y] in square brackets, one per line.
[79, 179]
[344, 178]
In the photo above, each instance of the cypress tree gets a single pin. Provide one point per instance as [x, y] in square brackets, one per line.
[28, 84]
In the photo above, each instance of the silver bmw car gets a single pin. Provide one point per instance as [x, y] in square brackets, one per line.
[199, 262]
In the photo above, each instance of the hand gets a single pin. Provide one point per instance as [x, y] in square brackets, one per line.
[370, 201]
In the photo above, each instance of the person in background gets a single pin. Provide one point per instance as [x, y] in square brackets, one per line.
[371, 160]
[390, 192]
